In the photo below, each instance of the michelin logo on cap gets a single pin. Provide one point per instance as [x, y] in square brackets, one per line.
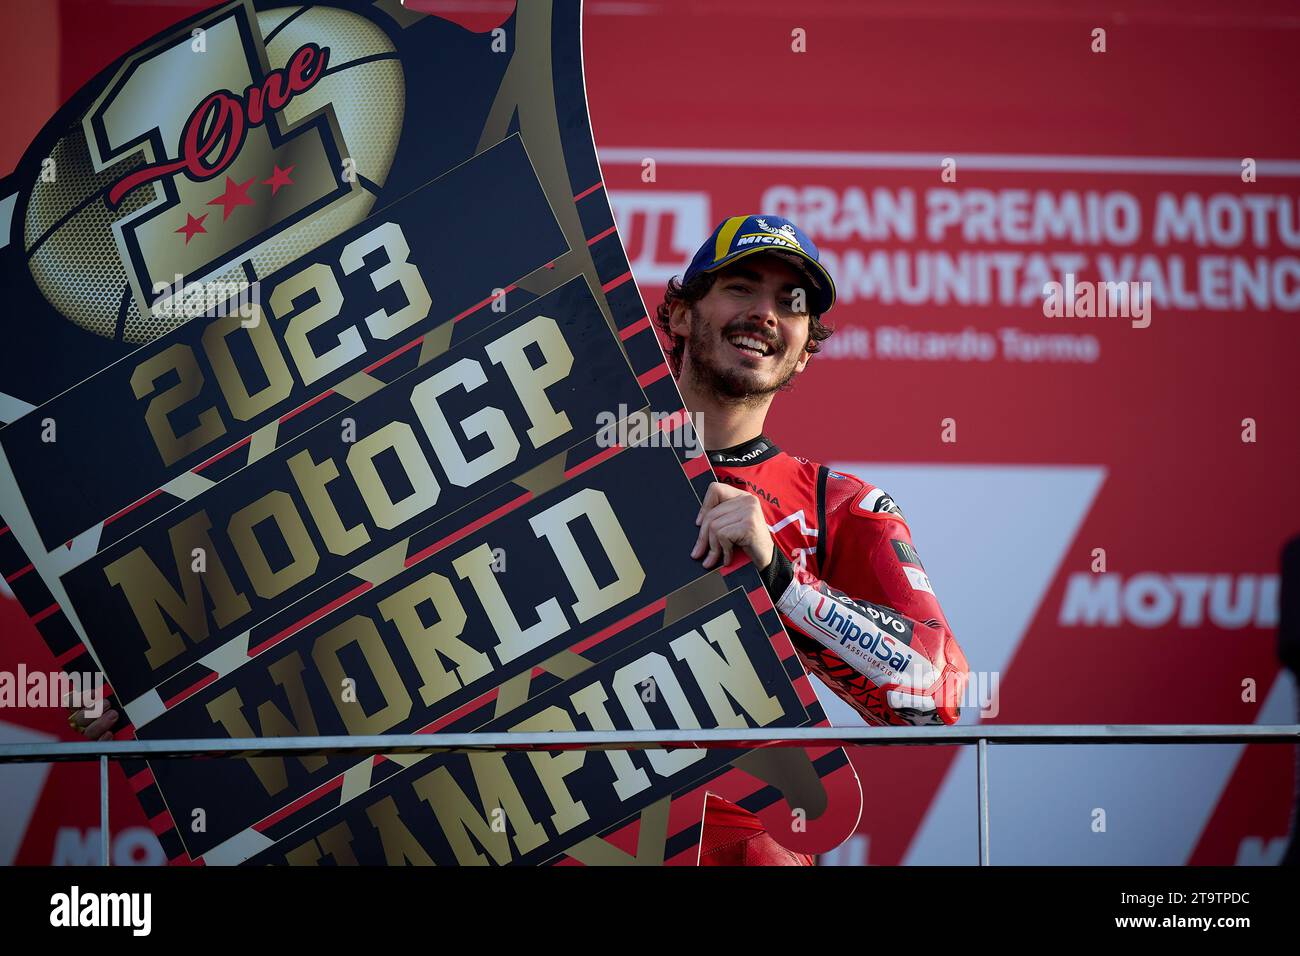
[785, 231]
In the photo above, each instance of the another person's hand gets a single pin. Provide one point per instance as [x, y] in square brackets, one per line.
[730, 518]
[92, 727]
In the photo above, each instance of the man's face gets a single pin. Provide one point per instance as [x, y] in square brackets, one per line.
[744, 340]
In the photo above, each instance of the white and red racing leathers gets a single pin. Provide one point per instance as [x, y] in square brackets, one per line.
[850, 587]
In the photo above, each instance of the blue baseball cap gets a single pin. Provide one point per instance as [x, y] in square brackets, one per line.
[741, 236]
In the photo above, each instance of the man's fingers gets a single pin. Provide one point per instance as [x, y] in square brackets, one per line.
[731, 533]
[710, 499]
[729, 522]
[101, 728]
[700, 540]
[718, 494]
[714, 549]
[707, 519]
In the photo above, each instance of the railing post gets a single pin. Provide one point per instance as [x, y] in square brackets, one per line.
[103, 811]
[982, 765]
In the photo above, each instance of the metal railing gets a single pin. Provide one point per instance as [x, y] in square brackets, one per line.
[750, 739]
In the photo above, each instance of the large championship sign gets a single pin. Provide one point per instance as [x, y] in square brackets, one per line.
[340, 413]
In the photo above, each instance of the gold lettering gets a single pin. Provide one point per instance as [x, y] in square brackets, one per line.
[361, 631]
[313, 480]
[489, 420]
[552, 768]
[150, 593]
[387, 513]
[276, 506]
[629, 779]
[335, 842]
[731, 672]
[460, 818]
[279, 380]
[227, 710]
[553, 525]
[311, 364]
[513, 641]
[400, 845]
[171, 446]
[530, 383]
[428, 645]
[627, 681]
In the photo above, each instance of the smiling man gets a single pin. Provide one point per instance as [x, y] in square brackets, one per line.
[834, 552]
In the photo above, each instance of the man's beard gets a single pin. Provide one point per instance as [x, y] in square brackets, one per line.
[733, 384]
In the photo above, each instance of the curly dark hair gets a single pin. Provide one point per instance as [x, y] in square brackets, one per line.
[698, 287]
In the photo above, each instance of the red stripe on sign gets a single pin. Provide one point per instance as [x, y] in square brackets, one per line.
[392, 355]
[593, 461]
[761, 600]
[784, 650]
[306, 405]
[615, 283]
[738, 561]
[313, 616]
[450, 718]
[154, 494]
[696, 466]
[304, 800]
[141, 780]
[488, 301]
[672, 421]
[618, 626]
[191, 690]
[807, 695]
[653, 375]
[37, 618]
[4, 529]
[468, 529]
[455, 318]
[781, 642]
[18, 574]
[634, 328]
[600, 235]
[70, 655]
[222, 454]
[588, 191]
[162, 823]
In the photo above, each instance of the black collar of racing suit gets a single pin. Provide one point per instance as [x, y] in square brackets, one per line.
[746, 453]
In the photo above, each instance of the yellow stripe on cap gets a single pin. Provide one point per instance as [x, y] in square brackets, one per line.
[725, 235]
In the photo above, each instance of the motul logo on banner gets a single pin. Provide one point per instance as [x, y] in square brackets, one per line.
[1152, 600]
[661, 231]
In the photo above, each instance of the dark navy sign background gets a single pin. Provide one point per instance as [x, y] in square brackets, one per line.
[373, 497]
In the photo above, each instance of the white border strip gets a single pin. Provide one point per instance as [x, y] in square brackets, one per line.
[1000, 162]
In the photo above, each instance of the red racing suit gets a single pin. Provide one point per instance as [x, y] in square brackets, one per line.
[853, 595]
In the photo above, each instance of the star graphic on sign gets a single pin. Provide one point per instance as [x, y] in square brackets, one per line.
[236, 194]
[278, 178]
[192, 226]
